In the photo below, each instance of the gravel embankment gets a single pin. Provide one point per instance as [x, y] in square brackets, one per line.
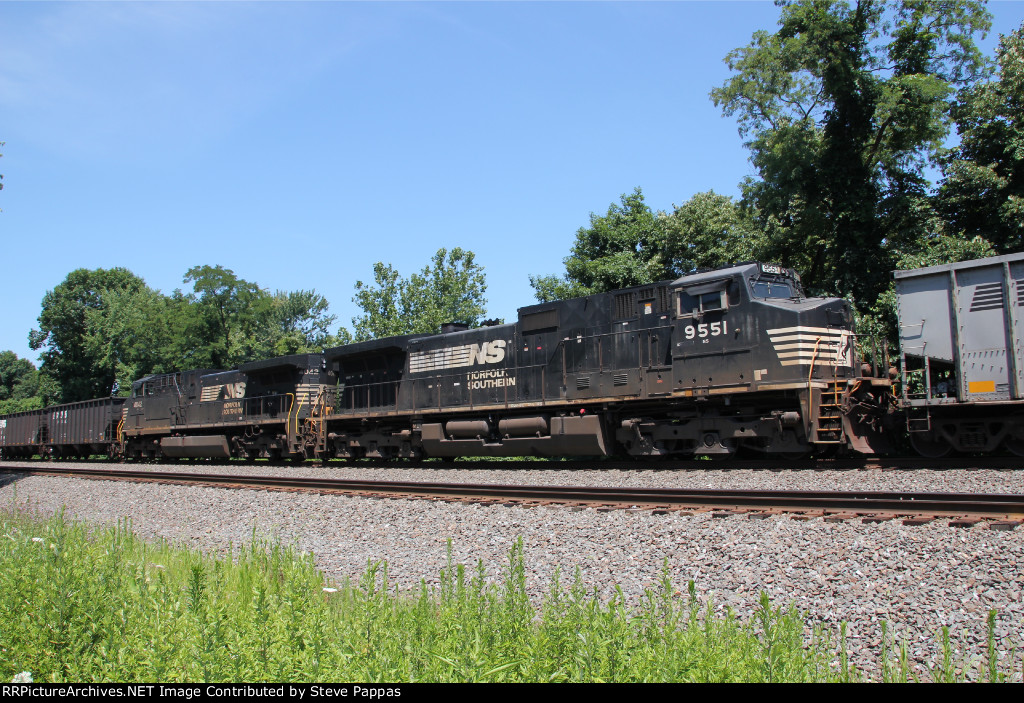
[915, 578]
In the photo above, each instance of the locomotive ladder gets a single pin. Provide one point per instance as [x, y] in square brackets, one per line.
[828, 421]
[830, 414]
[919, 418]
[311, 437]
[318, 422]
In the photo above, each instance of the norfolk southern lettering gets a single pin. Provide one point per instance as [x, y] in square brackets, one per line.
[494, 378]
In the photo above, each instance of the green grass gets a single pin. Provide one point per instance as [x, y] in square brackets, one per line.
[77, 605]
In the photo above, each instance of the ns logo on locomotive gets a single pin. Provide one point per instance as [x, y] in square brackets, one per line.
[713, 363]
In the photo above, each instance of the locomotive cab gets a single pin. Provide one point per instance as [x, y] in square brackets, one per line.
[752, 325]
[748, 331]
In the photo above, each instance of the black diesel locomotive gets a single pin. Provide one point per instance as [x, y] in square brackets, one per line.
[262, 409]
[710, 364]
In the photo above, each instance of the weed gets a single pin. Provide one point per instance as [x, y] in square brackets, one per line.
[104, 606]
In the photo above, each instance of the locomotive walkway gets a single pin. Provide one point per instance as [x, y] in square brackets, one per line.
[1001, 511]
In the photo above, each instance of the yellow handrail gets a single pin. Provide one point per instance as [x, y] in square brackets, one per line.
[814, 356]
[288, 417]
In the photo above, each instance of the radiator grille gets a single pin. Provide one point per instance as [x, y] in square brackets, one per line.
[625, 305]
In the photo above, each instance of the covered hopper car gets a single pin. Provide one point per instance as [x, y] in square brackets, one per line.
[962, 341]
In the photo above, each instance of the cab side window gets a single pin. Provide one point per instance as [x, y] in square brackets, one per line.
[713, 301]
[689, 305]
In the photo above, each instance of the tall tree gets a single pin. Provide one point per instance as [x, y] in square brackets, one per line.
[450, 289]
[706, 231]
[843, 107]
[102, 330]
[66, 325]
[983, 191]
[624, 247]
[299, 323]
[227, 317]
[132, 334]
[19, 384]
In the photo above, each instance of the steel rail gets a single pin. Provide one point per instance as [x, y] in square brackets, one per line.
[767, 463]
[1006, 506]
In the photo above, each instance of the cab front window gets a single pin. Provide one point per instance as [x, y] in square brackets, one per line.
[765, 288]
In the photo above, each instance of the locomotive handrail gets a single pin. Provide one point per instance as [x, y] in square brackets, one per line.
[814, 356]
[288, 417]
[608, 334]
[350, 390]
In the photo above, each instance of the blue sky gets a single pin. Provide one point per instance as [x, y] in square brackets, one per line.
[299, 143]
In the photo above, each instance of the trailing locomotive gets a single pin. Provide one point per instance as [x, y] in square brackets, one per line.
[714, 363]
[262, 409]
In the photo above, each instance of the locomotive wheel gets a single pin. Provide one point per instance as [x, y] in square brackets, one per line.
[930, 446]
[1014, 445]
[1013, 441]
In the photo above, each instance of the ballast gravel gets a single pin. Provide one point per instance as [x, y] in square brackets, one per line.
[915, 578]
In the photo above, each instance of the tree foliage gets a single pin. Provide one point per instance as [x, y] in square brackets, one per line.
[68, 335]
[624, 247]
[707, 231]
[100, 330]
[632, 245]
[227, 315]
[449, 289]
[19, 384]
[983, 191]
[299, 322]
[843, 107]
[131, 334]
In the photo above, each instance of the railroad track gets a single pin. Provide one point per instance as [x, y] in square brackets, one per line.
[1003, 511]
[774, 464]
[841, 464]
